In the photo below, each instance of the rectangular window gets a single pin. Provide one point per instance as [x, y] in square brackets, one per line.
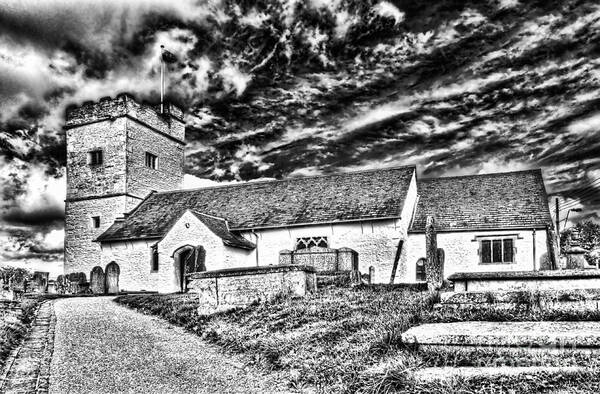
[508, 250]
[95, 221]
[95, 158]
[497, 250]
[154, 259]
[151, 161]
[310, 242]
[486, 251]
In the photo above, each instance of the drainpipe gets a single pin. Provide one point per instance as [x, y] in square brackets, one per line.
[256, 239]
[534, 257]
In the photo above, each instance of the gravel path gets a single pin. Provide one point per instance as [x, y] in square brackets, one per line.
[102, 347]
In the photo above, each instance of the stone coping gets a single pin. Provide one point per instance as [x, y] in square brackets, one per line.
[507, 275]
[573, 334]
[241, 271]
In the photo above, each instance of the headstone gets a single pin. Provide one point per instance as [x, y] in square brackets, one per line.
[40, 282]
[97, 280]
[371, 275]
[112, 278]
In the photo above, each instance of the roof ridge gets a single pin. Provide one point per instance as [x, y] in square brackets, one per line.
[196, 212]
[489, 174]
[245, 183]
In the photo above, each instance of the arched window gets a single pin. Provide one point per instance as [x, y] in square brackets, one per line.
[420, 270]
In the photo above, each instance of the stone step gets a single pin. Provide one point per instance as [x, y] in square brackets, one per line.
[449, 373]
[541, 335]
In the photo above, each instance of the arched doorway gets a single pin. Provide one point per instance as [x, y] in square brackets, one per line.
[188, 259]
[112, 278]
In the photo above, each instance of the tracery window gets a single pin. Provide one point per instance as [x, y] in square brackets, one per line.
[309, 242]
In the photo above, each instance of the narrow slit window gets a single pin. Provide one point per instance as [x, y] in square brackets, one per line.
[95, 221]
[154, 259]
[151, 161]
[509, 250]
[486, 251]
[420, 270]
[95, 158]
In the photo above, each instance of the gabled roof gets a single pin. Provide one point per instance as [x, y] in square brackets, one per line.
[483, 202]
[344, 197]
[219, 227]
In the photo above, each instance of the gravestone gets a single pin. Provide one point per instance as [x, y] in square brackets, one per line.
[40, 281]
[112, 278]
[97, 280]
[77, 282]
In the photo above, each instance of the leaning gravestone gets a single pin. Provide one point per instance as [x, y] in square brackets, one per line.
[97, 280]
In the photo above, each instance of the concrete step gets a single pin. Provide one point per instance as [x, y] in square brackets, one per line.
[545, 335]
[449, 373]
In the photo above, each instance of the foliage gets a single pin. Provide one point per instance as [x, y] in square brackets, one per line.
[588, 236]
[14, 277]
[12, 333]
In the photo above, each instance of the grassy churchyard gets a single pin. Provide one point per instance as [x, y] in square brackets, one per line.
[349, 340]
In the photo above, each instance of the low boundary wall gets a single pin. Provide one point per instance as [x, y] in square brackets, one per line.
[239, 287]
[526, 280]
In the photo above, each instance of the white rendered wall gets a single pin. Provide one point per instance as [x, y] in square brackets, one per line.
[133, 257]
[461, 252]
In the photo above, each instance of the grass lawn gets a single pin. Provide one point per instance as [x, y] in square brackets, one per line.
[12, 333]
[348, 340]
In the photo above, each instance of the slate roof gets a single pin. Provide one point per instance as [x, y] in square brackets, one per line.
[483, 202]
[220, 228]
[342, 197]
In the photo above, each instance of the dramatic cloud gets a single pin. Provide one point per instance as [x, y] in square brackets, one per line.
[289, 88]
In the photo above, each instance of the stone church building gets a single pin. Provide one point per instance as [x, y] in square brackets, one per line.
[127, 216]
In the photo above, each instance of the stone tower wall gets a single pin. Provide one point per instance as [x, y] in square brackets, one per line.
[124, 130]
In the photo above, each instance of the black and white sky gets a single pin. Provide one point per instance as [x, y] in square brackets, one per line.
[287, 88]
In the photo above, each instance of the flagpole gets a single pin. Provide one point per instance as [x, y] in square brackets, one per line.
[162, 79]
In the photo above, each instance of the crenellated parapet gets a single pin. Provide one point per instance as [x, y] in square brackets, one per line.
[169, 122]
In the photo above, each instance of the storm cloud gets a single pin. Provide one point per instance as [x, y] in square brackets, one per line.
[289, 88]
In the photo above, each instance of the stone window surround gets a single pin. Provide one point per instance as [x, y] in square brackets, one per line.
[95, 221]
[95, 157]
[497, 237]
[305, 242]
[151, 160]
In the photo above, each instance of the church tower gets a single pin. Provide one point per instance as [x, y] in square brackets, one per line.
[118, 151]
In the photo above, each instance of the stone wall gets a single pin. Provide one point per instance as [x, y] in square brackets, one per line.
[226, 289]
[84, 180]
[81, 253]
[461, 252]
[322, 259]
[124, 130]
[169, 173]
[171, 122]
